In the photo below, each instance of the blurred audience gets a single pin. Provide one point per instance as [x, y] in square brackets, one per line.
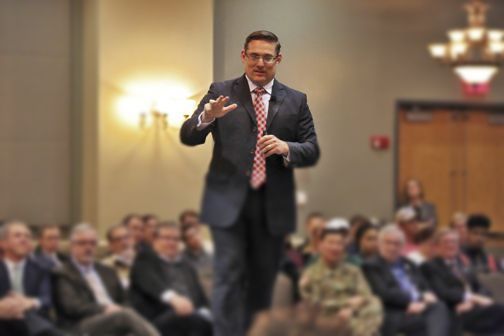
[459, 286]
[459, 223]
[478, 228]
[25, 288]
[356, 222]
[302, 320]
[150, 222]
[366, 243]
[121, 253]
[411, 307]
[414, 196]
[196, 254]
[165, 288]
[90, 297]
[135, 225]
[340, 289]
[424, 241]
[48, 248]
[406, 219]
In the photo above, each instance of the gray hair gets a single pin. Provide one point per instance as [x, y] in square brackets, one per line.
[8, 224]
[81, 228]
[391, 229]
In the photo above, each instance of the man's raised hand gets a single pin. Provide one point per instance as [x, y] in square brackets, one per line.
[216, 109]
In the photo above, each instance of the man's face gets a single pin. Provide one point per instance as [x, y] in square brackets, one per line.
[476, 237]
[332, 248]
[167, 242]
[390, 247]
[18, 241]
[120, 240]
[448, 246]
[50, 240]
[193, 239]
[257, 69]
[410, 227]
[150, 228]
[83, 247]
[315, 226]
[136, 227]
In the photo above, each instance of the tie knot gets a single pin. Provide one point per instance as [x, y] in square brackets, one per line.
[259, 91]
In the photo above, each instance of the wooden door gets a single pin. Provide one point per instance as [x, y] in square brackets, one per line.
[458, 154]
[429, 150]
[484, 166]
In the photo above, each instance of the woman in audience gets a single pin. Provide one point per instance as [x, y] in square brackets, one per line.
[356, 222]
[459, 224]
[366, 243]
[340, 289]
[407, 221]
[414, 196]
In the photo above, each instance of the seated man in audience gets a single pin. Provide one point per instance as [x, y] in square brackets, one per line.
[406, 219]
[424, 240]
[410, 306]
[196, 255]
[478, 227]
[192, 218]
[150, 222]
[122, 253]
[459, 224]
[90, 297]
[48, 248]
[135, 225]
[166, 289]
[460, 288]
[339, 288]
[25, 283]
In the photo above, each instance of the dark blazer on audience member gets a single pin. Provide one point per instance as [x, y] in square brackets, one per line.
[74, 299]
[39, 256]
[447, 286]
[36, 283]
[384, 285]
[149, 282]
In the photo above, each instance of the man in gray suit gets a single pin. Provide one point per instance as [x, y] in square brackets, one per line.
[89, 296]
[261, 129]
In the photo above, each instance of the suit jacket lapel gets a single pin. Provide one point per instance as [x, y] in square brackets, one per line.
[277, 97]
[77, 276]
[242, 91]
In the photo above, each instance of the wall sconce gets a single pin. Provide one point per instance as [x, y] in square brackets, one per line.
[160, 113]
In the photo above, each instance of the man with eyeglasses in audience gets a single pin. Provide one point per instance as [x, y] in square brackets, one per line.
[90, 298]
[166, 290]
[122, 252]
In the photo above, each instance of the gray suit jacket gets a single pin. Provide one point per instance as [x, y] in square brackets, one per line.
[235, 137]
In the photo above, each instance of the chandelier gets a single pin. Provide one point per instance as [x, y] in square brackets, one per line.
[476, 52]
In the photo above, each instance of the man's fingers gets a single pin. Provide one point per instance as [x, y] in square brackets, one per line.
[265, 138]
[230, 108]
[267, 143]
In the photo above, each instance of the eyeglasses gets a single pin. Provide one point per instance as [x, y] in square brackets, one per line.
[267, 59]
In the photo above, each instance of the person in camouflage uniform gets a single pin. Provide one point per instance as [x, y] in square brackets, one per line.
[339, 289]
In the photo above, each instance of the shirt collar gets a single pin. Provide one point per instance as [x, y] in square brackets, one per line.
[268, 87]
[83, 268]
[11, 264]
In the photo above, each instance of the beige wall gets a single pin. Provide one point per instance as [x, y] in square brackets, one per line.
[354, 59]
[35, 110]
[146, 44]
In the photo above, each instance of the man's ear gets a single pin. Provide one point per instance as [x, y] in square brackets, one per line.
[279, 58]
[243, 55]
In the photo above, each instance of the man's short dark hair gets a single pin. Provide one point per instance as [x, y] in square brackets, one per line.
[42, 230]
[478, 221]
[263, 35]
[166, 225]
[187, 213]
[112, 229]
[126, 219]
